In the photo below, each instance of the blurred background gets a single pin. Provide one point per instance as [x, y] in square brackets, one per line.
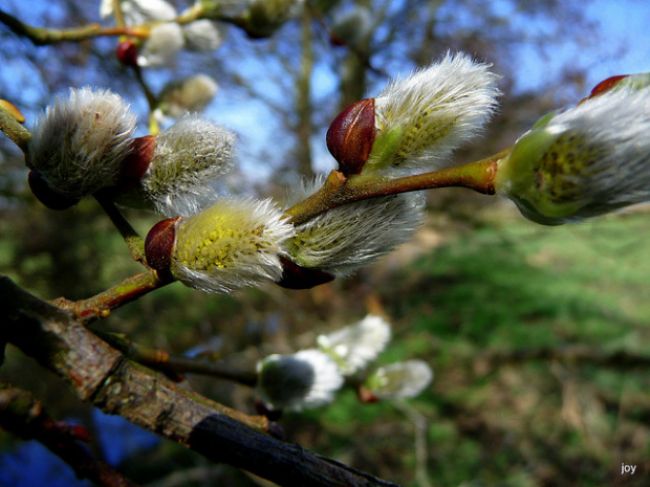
[537, 336]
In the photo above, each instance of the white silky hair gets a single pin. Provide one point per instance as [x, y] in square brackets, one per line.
[401, 380]
[303, 380]
[188, 158]
[202, 35]
[190, 94]
[438, 108]
[613, 128]
[78, 145]
[355, 346]
[138, 12]
[347, 237]
[232, 244]
[162, 45]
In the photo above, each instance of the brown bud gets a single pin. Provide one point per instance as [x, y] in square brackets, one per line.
[366, 396]
[137, 162]
[607, 84]
[159, 244]
[127, 53]
[351, 135]
[298, 277]
[604, 86]
[48, 196]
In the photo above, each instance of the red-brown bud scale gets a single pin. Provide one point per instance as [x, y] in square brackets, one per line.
[351, 135]
[137, 162]
[127, 53]
[295, 276]
[159, 244]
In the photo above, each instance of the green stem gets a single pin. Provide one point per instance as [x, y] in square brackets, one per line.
[18, 134]
[100, 305]
[41, 36]
[338, 190]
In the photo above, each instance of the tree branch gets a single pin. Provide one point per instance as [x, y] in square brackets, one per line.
[22, 415]
[100, 305]
[162, 361]
[103, 376]
[18, 134]
[41, 36]
[339, 190]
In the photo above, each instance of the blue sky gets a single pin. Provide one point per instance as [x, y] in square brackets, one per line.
[622, 48]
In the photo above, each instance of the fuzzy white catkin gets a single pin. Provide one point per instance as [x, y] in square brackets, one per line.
[188, 95]
[137, 12]
[400, 380]
[436, 109]
[79, 144]
[354, 347]
[187, 160]
[202, 35]
[614, 129]
[306, 379]
[164, 42]
[353, 26]
[350, 236]
[232, 244]
[589, 160]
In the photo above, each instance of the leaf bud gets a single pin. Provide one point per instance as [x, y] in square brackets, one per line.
[127, 53]
[159, 244]
[351, 135]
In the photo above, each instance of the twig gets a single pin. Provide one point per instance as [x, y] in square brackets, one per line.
[41, 36]
[100, 305]
[134, 242]
[161, 360]
[22, 415]
[101, 375]
[18, 134]
[420, 428]
[339, 190]
[152, 99]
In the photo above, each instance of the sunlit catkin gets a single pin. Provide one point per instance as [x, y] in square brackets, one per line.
[232, 244]
[586, 161]
[79, 144]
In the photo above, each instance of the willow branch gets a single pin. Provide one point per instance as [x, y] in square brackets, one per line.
[18, 134]
[22, 415]
[339, 190]
[100, 305]
[101, 375]
[162, 361]
[41, 36]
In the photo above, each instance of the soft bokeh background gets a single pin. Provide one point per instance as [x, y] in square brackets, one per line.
[532, 332]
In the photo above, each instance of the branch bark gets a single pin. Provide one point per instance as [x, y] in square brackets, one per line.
[103, 376]
[339, 190]
[41, 36]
